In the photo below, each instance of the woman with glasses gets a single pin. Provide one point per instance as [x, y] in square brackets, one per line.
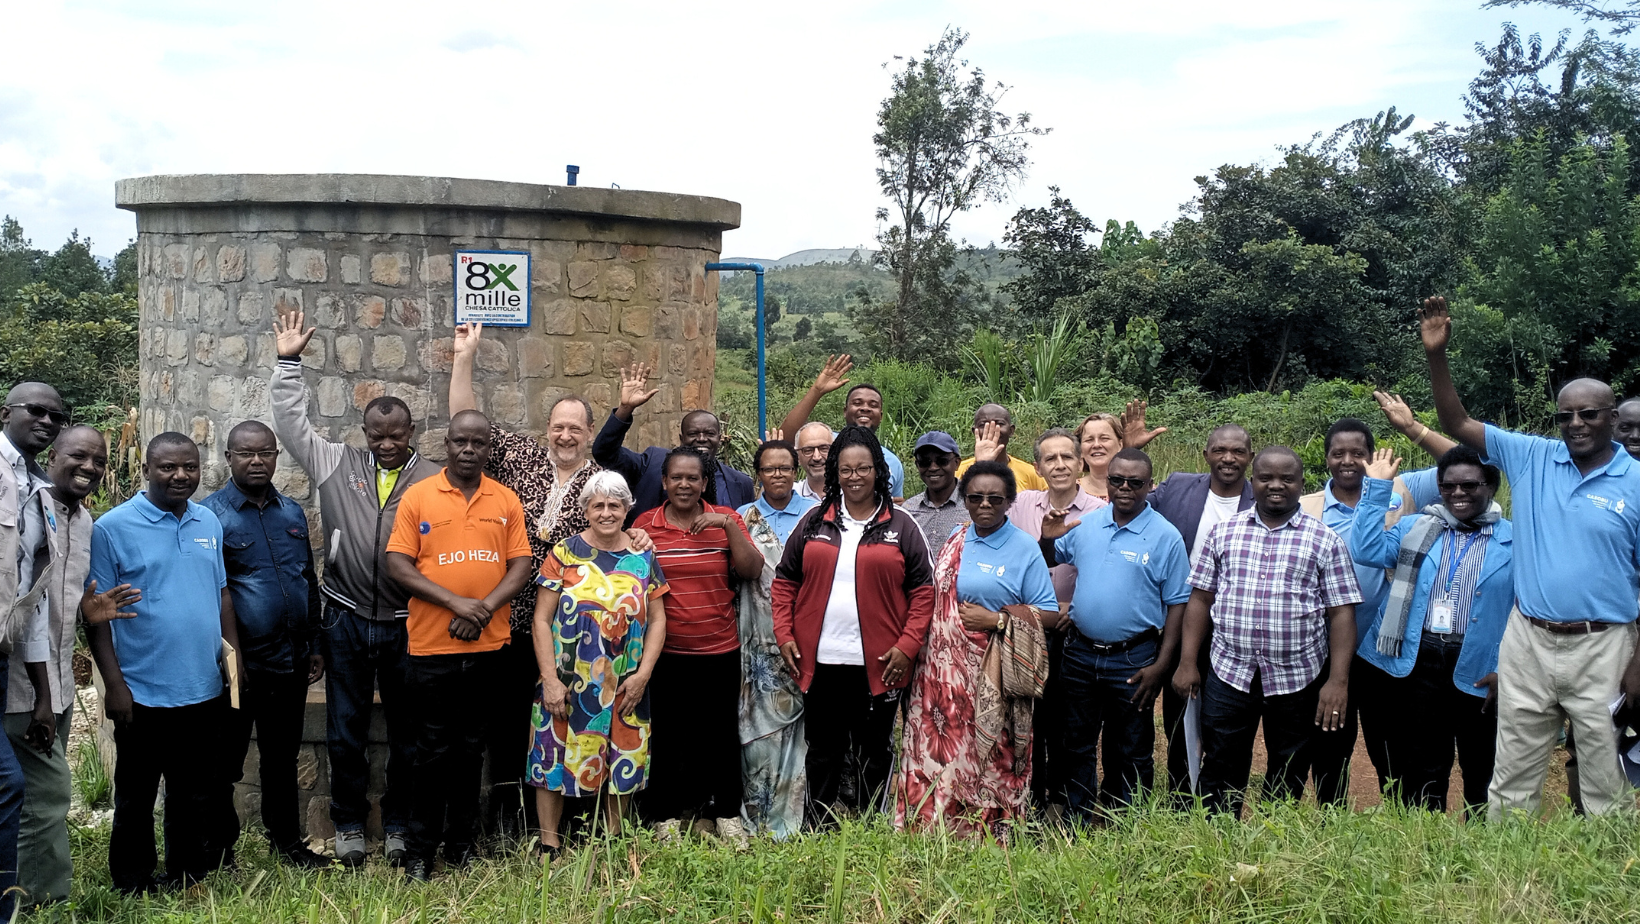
[1438, 634]
[853, 595]
[772, 750]
[966, 762]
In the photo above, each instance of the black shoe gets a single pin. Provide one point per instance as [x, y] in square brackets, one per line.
[455, 857]
[299, 856]
[418, 870]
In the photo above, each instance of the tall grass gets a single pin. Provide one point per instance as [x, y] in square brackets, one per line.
[1284, 863]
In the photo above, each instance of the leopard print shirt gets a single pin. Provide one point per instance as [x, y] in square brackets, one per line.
[520, 462]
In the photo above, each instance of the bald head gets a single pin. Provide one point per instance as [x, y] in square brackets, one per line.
[1587, 390]
[1587, 416]
[248, 431]
[469, 420]
[1277, 456]
[999, 415]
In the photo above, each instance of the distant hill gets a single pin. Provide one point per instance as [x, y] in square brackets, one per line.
[808, 257]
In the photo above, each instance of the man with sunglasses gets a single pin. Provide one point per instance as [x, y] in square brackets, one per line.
[1126, 613]
[276, 602]
[938, 510]
[31, 418]
[1571, 653]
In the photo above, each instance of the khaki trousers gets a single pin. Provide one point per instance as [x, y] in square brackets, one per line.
[1544, 679]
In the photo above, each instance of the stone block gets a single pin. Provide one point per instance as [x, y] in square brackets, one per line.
[677, 359]
[558, 317]
[638, 321]
[691, 322]
[696, 393]
[370, 310]
[249, 309]
[415, 397]
[286, 300]
[600, 396]
[438, 355]
[205, 349]
[314, 356]
[534, 357]
[200, 429]
[546, 276]
[329, 311]
[318, 819]
[202, 265]
[367, 391]
[307, 767]
[387, 354]
[436, 269]
[431, 444]
[293, 482]
[632, 253]
[596, 250]
[233, 350]
[677, 284]
[190, 304]
[506, 404]
[230, 263]
[666, 253]
[176, 347]
[578, 356]
[667, 324]
[390, 268]
[666, 399]
[168, 303]
[492, 356]
[583, 279]
[620, 282]
[349, 264]
[215, 303]
[349, 353]
[654, 282]
[406, 312]
[617, 355]
[307, 264]
[595, 317]
[178, 260]
[332, 393]
[354, 436]
[220, 393]
[265, 261]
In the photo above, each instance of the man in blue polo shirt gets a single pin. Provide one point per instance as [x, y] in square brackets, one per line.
[161, 668]
[1132, 582]
[1576, 506]
[776, 466]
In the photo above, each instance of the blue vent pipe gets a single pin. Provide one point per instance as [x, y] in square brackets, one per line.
[572, 170]
[762, 380]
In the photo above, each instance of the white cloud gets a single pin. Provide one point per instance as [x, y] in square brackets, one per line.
[771, 105]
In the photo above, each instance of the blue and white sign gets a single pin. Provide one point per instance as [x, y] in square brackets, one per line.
[493, 287]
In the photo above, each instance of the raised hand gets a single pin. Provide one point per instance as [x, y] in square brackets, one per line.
[635, 390]
[1400, 416]
[1435, 324]
[288, 336]
[1054, 525]
[772, 434]
[834, 374]
[988, 442]
[1134, 434]
[1385, 463]
[467, 338]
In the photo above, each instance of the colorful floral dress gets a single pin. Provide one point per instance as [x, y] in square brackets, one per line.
[598, 639]
[773, 750]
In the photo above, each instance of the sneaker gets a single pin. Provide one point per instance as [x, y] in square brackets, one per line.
[418, 870]
[669, 831]
[394, 848]
[299, 856]
[350, 848]
[733, 831]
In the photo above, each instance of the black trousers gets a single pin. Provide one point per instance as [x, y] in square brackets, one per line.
[1436, 718]
[274, 703]
[166, 743]
[453, 695]
[1330, 757]
[1178, 756]
[1048, 775]
[1230, 719]
[508, 740]
[694, 737]
[841, 717]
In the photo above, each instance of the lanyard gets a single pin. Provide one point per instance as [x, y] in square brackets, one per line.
[1457, 560]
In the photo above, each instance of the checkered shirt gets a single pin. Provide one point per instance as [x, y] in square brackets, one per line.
[1272, 588]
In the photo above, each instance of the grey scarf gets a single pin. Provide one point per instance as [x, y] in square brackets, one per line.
[1414, 546]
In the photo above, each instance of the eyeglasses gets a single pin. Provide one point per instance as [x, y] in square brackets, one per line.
[1115, 481]
[866, 471]
[818, 451]
[776, 470]
[1587, 415]
[266, 455]
[39, 410]
[1467, 487]
[986, 500]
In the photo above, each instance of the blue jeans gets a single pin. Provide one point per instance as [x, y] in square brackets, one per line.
[11, 805]
[1096, 698]
[362, 656]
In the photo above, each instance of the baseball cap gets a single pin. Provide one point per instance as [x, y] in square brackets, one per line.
[938, 439]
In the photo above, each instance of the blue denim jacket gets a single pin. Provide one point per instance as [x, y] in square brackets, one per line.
[1374, 546]
[270, 578]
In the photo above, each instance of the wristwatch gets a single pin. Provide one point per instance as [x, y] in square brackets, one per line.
[1002, 621]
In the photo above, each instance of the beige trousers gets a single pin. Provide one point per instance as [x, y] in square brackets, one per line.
[1544, 679]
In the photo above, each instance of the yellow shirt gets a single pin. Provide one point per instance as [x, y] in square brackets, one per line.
[385, 480]
[1025, 476]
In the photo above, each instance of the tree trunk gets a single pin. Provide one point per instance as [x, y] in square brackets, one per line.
[1281, 357]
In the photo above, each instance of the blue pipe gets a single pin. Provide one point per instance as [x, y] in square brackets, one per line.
[762, 378]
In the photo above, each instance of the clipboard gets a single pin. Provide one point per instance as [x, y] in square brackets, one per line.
[230, 673]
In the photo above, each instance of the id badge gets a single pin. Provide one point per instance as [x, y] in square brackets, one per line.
[1440, 618]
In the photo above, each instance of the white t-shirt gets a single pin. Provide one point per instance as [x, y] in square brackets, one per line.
[840, 630]
[1215, 511]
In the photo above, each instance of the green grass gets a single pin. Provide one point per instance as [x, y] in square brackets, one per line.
[1284, 863]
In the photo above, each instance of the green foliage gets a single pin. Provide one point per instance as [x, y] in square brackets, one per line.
[85, 346]
[92, 781]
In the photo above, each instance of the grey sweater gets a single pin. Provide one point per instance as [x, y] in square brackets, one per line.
[356, 526]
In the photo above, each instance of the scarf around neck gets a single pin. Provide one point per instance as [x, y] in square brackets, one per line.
[1415, 545]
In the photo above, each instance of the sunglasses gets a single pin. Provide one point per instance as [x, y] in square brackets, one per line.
[1587, 415]
[1467, 487]
[983, 500]
[1118, 482]
[41, 411]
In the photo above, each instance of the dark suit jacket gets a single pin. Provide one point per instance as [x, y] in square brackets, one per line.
[642, 471]
[1180, 500]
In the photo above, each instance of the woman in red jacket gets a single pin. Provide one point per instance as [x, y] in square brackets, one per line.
[853, 596]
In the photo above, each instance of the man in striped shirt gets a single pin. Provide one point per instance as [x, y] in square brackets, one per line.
[1280, 591]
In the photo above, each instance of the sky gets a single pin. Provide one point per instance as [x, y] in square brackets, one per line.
[771, 105]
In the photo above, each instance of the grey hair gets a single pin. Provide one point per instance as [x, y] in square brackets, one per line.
[606, 484]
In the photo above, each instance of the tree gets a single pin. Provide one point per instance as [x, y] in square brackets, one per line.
[73, 269]
[1054, 248]
[19, 261]
[943, 147]
[1622, 16]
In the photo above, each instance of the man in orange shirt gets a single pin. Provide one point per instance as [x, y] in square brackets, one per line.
[460, 547]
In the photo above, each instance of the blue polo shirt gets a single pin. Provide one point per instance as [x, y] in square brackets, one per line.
[781, 521]
[169, 652]
[1127, 576]
[1340, 518]
[1004, 569]
[896, 473]
[270, 578]
[1577, 536]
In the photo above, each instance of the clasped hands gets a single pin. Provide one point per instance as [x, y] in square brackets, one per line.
[471, 616]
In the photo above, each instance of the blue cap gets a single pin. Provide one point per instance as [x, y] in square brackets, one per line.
[938, 439]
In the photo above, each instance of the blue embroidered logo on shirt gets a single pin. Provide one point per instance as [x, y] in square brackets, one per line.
[425, 527]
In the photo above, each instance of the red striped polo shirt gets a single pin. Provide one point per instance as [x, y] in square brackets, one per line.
[700, 606]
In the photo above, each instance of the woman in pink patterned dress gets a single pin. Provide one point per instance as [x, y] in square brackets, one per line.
[966, 763]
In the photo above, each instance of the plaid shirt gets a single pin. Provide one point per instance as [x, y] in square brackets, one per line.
[1272, 587]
